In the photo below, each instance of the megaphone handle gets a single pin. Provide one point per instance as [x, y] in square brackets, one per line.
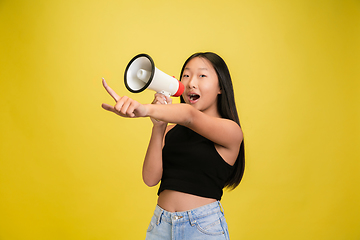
[165, 93]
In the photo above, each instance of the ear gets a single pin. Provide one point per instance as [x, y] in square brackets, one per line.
[220, 90]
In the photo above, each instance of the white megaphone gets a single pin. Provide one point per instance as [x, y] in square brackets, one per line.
[141, 74]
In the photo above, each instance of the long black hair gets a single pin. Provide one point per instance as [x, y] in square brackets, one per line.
[226, 107]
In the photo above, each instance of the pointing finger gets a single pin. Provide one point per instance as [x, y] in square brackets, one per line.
[110, 91]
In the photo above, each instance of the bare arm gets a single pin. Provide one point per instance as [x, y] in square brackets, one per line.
[223, 132]
[152, 167]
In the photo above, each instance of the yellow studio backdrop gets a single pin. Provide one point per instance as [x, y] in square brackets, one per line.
[70, 170]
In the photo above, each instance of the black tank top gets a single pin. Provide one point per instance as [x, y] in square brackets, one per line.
[192, 165]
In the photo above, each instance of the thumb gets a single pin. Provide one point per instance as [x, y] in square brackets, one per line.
[108, 107]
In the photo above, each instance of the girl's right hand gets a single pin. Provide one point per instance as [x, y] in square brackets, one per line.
[125, 106]
[160, 99]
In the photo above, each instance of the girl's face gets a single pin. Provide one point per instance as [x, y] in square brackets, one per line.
[201, 86]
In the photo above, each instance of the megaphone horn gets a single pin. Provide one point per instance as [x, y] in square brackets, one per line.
[141, 73]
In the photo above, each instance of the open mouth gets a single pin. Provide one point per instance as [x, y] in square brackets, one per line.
[194, 97]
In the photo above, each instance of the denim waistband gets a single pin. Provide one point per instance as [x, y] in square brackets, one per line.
[190, 215]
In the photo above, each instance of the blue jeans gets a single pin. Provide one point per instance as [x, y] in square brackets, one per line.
[206, 222]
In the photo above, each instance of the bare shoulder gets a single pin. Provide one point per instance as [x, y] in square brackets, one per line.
[222, 131]
[231, 128]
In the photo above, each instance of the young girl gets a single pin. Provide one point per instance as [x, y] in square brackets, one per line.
[195, 158]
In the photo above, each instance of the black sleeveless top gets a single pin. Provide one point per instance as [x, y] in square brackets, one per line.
[192, 165]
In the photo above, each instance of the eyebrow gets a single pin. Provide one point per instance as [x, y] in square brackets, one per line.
[197, 69]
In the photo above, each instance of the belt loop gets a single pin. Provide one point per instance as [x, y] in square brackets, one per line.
[192, 221]
[221, 208]
[159, 217]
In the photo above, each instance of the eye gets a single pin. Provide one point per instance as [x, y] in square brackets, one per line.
[185, 75]
[202, 75]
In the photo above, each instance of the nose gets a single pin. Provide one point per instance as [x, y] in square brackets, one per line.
[192, 82]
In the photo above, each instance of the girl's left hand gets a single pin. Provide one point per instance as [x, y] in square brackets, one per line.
[160, 99]
[125, 106]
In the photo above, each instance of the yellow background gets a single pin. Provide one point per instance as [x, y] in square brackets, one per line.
[70, 170]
